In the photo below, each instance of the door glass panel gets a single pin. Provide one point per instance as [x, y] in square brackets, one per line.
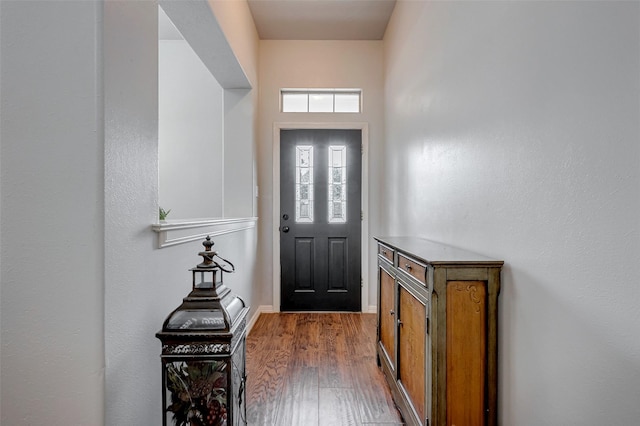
[304, 183]
[337, 199]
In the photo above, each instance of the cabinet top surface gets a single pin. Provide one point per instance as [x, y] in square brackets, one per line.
[434, 253]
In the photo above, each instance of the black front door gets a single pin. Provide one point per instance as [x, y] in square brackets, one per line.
[320, 220]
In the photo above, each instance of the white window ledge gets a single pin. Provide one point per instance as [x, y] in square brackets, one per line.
[174, 232]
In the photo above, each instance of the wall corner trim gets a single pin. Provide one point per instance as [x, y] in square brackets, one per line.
[171, 233]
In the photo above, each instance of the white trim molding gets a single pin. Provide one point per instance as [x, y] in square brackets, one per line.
[364, 127]
[171, 233]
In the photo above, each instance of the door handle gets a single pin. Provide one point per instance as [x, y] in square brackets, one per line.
[285, 229]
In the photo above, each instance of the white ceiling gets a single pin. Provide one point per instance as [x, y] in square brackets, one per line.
[321, 19]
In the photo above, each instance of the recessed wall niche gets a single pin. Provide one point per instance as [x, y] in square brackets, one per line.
[206, 148]
[190, 129]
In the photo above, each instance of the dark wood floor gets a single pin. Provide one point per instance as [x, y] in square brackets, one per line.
[308, 369]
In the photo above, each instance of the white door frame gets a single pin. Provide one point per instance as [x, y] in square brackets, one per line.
[364, 273]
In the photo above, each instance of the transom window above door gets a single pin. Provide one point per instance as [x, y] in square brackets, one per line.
[321, 100]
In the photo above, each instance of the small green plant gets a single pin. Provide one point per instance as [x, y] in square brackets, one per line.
[164, 213]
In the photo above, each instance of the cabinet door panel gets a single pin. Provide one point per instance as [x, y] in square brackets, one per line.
[412, 341]
[466, 349]
[387, 315]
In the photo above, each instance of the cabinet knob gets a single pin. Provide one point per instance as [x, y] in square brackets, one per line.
[391, 312]
[399, 323]
[384, 252]
[408, 267]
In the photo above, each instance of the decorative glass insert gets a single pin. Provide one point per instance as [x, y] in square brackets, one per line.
[304, 184]
[337, 184]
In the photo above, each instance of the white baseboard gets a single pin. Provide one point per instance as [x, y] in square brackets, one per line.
[266, 309]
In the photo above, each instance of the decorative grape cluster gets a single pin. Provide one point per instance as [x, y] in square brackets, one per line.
[217, 413]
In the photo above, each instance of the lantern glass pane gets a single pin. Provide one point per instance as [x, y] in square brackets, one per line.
[197, 320]
[196, 390]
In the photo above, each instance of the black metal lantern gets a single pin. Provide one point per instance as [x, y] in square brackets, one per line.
[203, 351]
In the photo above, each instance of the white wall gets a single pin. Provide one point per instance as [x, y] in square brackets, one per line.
[512, 130]
[224, 37]
[236, 21]
[190, 134]
[240, 152]
[317, 64]
[240, 123]
[51, 198]
[143, 284]
[81, 278]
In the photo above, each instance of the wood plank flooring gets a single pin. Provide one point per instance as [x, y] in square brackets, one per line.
[316, 369]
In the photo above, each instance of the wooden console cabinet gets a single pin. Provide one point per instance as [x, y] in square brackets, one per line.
[437, 331]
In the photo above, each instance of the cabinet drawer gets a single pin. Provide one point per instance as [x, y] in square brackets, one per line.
[386, 252]
[413, 268]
